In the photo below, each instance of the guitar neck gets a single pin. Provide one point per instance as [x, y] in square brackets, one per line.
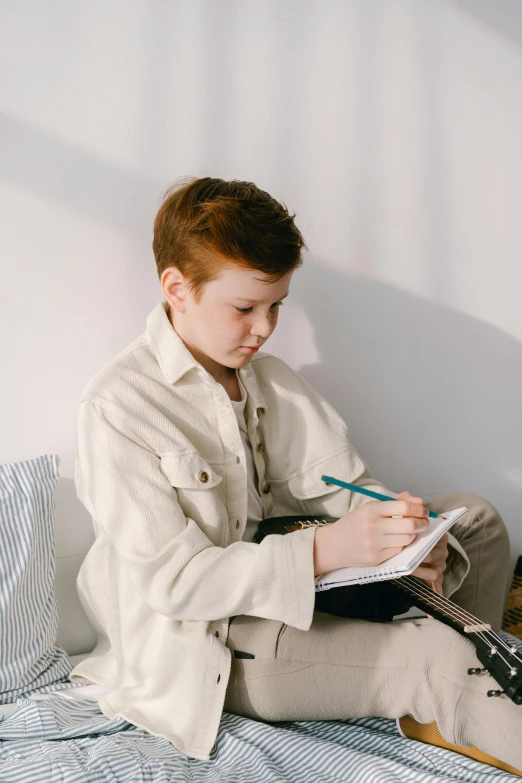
[501, 660]
[440, 607]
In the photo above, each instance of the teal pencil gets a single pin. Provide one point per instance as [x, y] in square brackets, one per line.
[363, 491]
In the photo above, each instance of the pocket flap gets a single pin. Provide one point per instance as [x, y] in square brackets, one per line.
[307, 484]
[189, 471]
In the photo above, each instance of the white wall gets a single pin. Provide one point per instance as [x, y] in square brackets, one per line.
[391, 127]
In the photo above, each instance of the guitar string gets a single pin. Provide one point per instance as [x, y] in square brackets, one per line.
[440, 602]
[480, 634]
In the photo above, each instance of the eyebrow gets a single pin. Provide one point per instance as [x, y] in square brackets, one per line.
[252, 301]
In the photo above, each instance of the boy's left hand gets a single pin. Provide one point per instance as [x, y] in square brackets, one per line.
[434, 564]
[432, 568]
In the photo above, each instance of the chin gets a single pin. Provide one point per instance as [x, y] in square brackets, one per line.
[243, 360]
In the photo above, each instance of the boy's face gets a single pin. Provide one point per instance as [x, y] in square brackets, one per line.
[237, 311]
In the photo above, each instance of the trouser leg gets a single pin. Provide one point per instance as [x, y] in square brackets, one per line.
[483, 536]
[343, 668]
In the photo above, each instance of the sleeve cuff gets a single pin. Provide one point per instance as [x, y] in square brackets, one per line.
[300, 580]
[457, 567]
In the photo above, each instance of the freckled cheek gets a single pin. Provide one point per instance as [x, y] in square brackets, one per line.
[230, 329]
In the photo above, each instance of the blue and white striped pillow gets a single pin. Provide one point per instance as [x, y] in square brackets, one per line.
[30, 661]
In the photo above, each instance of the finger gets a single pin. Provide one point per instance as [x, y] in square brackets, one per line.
[438, 565]
[404, 525]
[409, 497]
[440, 549]
[388, 552]
[435, 556]
[402, 508]
[399, 540]
[442, 544]
[427, 573]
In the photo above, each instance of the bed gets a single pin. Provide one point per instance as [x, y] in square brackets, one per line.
[50, 731]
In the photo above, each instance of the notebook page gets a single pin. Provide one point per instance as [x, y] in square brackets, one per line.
[401, 564]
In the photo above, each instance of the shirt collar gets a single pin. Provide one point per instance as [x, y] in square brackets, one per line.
[175, 359]
[173, 356]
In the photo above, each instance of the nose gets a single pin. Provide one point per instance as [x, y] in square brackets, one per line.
[263, 326]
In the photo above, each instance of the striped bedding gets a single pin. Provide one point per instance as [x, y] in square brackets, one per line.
[60, 740]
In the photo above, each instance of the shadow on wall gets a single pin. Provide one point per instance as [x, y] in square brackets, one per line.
[78, 179]
[502, 16]
[432, 397]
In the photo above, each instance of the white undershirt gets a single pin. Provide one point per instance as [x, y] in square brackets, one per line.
[255, 510]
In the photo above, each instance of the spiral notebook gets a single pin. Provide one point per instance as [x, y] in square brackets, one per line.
[398, 565]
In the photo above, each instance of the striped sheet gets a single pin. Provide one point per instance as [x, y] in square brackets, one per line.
[29, 659]
[73, 742]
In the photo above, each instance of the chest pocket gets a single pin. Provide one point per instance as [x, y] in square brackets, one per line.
[200, 491]
[306, 492]
[189, 471]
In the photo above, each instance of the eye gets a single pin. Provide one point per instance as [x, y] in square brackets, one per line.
[249, 309]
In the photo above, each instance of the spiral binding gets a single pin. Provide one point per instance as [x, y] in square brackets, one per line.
[311, 522]
[376, 576]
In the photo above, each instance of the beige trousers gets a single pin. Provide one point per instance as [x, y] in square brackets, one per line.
[342, 668]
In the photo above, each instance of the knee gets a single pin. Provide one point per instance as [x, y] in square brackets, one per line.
[482, 512]
[446, 651]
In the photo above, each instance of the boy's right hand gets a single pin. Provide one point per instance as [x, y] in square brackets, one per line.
[369, 535]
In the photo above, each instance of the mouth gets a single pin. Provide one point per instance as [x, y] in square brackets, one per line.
[251, 348]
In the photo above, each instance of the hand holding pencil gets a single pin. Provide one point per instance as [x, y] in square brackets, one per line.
[376, 531]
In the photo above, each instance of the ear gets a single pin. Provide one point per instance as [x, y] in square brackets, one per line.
[174, 285]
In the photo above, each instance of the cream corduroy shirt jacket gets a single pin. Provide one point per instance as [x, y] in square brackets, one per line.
[161, 468]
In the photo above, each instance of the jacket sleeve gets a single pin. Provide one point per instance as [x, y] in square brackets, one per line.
[175, 567]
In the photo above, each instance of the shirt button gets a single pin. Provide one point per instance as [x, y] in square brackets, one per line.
[260, 448]
[238, 460]
[266, 489]
[203, 477]
[219, 677]
[237, 523]
[217, 634]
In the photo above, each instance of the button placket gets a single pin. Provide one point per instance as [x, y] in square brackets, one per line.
[229, 433]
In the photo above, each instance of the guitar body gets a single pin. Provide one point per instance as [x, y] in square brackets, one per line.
[377, 601]
[382, 601]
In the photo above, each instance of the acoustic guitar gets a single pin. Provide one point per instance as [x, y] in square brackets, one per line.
[382, 601]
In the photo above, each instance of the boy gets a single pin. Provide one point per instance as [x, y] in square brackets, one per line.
[185, 441]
